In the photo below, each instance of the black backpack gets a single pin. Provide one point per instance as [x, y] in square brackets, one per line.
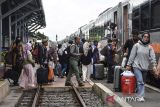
[68, 52]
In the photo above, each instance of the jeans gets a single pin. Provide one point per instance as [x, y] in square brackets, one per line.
[58, 70]
[141, 78]
[64, 68]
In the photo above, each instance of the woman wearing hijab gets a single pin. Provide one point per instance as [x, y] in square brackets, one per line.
[86, 61]
[141, 56]
[27, 79]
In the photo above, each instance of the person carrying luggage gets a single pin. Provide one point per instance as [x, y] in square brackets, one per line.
[42, 53]
[74, 59]
[95, 57]
[27, 78]
[109, 52]
[141, 56]
[52, 57]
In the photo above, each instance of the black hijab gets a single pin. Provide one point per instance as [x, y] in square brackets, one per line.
[145, 43]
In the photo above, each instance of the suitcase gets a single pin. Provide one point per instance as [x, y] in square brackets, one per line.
[11, 74]
[42, 75]
[117, 79]
[98, 71]
[128, 84]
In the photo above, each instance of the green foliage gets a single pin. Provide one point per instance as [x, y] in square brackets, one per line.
[3, 53]
[39, 35]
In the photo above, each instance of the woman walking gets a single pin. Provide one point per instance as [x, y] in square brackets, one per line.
[27, 78]
[141, 56]
[86, 61]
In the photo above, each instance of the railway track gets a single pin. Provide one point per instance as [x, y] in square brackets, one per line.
[73, 97]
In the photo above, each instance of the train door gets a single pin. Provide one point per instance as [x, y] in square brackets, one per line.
[125, 23]
[115, 22]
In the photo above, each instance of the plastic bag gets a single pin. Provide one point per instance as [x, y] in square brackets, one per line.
[101, 58]
[50, 73]
[127, 73]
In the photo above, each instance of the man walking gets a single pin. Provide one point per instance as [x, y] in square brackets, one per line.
[74, 58]
[129, 44]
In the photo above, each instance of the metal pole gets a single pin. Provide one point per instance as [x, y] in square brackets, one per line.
[15, 30]
[0, 30]
[26, 32]
[10, 31]
[19, 33]
[22, 32]
[24, 35]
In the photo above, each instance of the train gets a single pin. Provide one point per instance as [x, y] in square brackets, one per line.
[120, 20]
[141, 15]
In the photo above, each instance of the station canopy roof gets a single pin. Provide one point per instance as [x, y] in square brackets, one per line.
[28, 12]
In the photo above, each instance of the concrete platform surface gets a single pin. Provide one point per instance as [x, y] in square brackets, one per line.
[4, 89]
[151, 97]
[12, 97]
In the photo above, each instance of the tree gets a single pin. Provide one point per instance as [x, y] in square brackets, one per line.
[39, 35]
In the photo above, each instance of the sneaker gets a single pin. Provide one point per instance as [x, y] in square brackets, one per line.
[68, 84]
[80, 84]
[141, 99]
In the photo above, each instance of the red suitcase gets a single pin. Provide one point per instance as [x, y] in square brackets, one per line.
[128, 84]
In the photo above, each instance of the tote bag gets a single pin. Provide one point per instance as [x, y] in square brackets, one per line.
[50, 73]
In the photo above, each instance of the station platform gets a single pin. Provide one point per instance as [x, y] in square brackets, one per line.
[59, 84]
[4, 89]
[152, 95]
[101, 87]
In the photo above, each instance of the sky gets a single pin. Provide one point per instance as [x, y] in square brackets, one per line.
[64, 17]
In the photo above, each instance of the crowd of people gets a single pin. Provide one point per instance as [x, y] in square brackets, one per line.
[79, 56]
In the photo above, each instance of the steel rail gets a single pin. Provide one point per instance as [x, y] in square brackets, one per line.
[78, 95]
[36, 97]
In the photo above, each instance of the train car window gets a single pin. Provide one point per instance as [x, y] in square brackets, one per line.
[155, 14]
[145, 15]
[115, 17]
[135, 19]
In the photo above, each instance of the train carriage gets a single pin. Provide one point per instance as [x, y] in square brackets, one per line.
[146, 17]
[141, 15]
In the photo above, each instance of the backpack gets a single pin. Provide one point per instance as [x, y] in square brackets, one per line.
[86, 60]
[105, 52]
[68, 51]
